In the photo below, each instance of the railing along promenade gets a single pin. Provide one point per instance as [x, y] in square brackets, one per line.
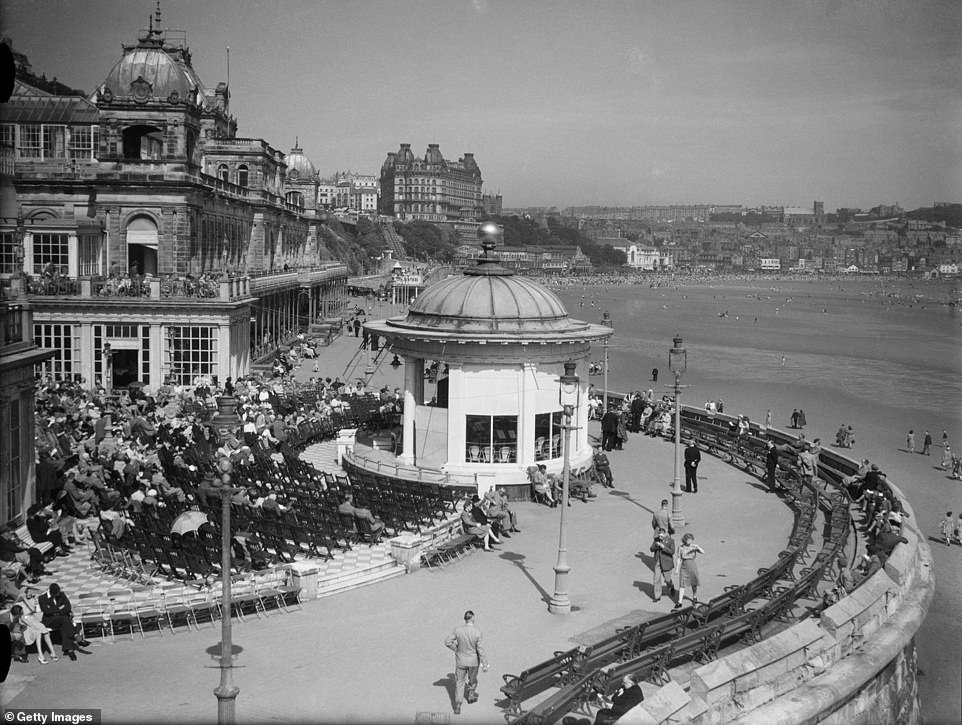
[804, 637]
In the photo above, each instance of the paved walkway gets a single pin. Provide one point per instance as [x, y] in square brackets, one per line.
[375, 654]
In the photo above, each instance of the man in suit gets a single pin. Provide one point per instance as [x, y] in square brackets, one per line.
[57, 614]
[661, 519]
[692, 459]
[663, 554]
[468, 654]
[347, 507]
[627, 696]
[609, 429]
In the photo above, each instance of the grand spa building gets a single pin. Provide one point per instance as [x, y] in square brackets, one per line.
[153, 242]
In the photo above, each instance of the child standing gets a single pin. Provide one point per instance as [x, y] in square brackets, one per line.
[947, 527]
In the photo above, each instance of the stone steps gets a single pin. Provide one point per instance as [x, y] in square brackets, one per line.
[335, 583]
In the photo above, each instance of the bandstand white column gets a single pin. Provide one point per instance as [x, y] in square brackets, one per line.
[456, 423]
[526, 413]
[410, 402]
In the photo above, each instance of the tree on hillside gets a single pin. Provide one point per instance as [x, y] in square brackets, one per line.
[950, 214]
[424, 241]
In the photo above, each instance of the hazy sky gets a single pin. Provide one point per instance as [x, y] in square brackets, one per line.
[853, 102]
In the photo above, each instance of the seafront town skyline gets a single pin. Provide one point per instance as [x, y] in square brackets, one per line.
[626, 103]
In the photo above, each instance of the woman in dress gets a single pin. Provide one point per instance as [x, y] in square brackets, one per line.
[27, 629]
[687, 569]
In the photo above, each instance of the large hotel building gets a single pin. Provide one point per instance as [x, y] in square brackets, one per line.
[150, 240]
[430, 188]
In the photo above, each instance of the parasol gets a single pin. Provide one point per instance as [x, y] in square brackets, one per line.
[188, 521]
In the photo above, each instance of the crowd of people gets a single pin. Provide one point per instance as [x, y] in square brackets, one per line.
[636, 412]
[105, 459]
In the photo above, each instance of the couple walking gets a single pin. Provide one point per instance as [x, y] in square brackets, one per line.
[669, 562]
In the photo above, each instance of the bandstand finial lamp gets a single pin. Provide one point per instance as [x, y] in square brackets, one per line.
[569, 397]
[677, 364]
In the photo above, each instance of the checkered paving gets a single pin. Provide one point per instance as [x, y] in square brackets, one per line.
[323, 456]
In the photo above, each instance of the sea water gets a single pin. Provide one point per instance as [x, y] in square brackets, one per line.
[894, 343]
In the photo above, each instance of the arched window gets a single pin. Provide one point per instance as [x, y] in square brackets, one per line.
[242, 175]
[223, 173]
[142, 244]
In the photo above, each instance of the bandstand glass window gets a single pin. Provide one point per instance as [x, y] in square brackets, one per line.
[491, 439]
[547, 436]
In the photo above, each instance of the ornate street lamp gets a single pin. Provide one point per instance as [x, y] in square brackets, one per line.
[606, 321]
[108, 368]
[171, 339]
[226, 422]
[678, 364]
[569, 396]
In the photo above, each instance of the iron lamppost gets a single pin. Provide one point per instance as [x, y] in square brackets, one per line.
[225, 423]
[678, 364]
[569, 396]
[108, 368]
[606, 321]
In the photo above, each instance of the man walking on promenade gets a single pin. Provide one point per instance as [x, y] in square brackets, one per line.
[661, 519]
[692, 459]
[468, 654]
[663, 553]
[927, 444]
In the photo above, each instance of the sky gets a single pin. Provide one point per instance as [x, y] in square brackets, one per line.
[614, 103]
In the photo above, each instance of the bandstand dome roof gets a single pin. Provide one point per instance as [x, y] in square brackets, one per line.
[487, 303]
[490, 302]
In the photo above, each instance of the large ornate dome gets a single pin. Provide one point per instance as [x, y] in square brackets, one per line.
[299, 166]
[152, 73]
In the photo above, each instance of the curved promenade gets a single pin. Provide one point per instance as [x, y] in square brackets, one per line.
[375, 655]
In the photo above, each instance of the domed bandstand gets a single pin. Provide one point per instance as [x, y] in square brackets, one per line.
[483, 355]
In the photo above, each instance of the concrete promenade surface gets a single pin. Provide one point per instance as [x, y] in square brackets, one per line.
[376, 654]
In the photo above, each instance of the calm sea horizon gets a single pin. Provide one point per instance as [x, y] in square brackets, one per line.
[889, 341]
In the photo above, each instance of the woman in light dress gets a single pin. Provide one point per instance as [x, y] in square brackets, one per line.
[687, 569]
[26, 629]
